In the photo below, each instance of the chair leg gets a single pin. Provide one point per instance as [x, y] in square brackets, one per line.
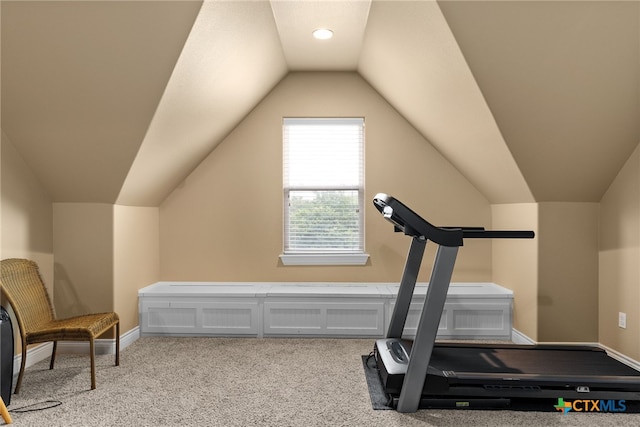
[118, 344]
[93, 363]
[5, 413]
[23, 364]
[53, 354]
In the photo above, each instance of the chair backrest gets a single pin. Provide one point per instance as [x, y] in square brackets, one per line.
[23, 287]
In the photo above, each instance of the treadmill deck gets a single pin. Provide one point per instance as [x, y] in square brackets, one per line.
[513, 367]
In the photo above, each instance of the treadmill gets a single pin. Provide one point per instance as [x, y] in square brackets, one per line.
[425, 374]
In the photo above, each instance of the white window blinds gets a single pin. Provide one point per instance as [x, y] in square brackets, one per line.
[323, 185]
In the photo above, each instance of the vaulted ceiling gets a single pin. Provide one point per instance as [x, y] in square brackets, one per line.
[117, 102]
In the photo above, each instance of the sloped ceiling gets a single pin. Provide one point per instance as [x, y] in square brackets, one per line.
[425, 76]
[117, 102]
[81, 82]
[231, 59]
[561, 79]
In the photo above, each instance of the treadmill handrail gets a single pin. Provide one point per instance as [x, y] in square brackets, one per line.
[406, 220]
[412, 224]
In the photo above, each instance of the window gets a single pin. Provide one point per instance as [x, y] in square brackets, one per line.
[323, 191]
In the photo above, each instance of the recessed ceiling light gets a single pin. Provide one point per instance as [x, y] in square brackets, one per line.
[323, 34]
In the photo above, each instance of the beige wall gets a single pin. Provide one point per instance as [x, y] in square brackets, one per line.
[555, 275]
[103, 255]
[83, 248]
[515, 263]
[135, 259]
[224, 223]
[27, 227]
[619, 279]
[568, 272]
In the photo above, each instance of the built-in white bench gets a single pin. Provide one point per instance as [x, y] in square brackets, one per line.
[472, 310]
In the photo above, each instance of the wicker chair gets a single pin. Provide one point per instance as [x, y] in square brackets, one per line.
[24, 289]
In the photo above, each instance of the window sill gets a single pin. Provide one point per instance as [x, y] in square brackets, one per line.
[324, 259]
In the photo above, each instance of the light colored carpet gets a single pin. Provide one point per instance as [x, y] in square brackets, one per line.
[239, 382]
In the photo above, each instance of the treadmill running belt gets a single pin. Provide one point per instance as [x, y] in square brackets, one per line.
[531, 361]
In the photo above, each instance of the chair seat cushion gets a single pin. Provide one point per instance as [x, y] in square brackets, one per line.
[77, 328]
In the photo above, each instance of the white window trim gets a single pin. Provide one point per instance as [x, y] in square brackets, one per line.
[325, 259]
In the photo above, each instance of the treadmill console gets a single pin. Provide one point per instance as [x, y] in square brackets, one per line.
[406, 220]
[398, 351]
[412, 224]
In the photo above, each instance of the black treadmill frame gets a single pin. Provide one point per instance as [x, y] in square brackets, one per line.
[468, 386]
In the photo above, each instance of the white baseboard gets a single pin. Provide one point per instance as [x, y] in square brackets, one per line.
[519, 338]
[128, 338]
[35, 354]
[621, 357]
[102, 346]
